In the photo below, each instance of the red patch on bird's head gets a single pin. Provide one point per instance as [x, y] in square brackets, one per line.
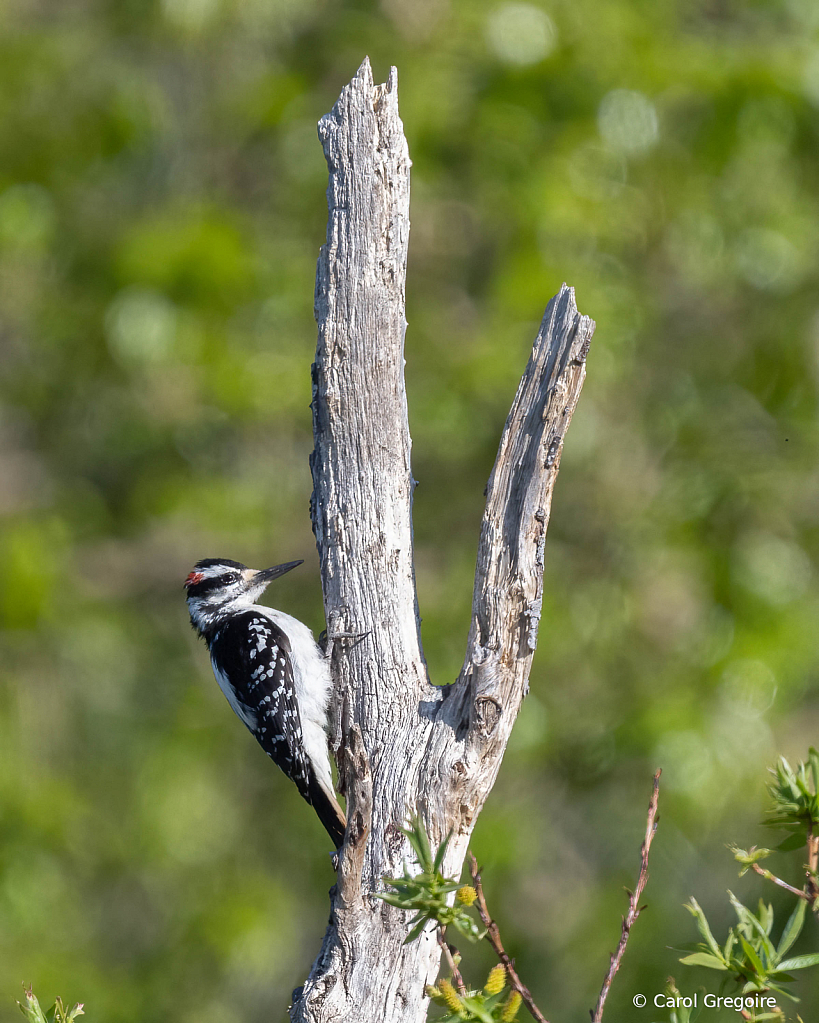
[194, 578]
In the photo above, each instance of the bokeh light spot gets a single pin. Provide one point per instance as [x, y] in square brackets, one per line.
[767, 260]
[521, 34]
[748, 688]
[774, 569]
[140, 325]
[628, 121]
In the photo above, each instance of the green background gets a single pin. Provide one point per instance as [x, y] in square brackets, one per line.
[161, 208]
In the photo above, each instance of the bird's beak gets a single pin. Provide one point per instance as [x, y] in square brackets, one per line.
[259, 581]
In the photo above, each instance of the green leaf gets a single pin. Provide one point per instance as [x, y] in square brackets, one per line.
[439, 856]
[779, 977]
[416, 930]
[800, 962]
[744, 914]
[753, 958]
[704, 959]
[491, 1001]
[766, 918]
[763, 944]
[394, 900]
[475, 1006]
[792, 842]
[466, 926]
[421, 844]
[769, 986]
[793, 928]
[694, 909]
[449, 886]
[751, 924]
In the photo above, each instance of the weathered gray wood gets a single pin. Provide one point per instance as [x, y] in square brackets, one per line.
[508, 592]
[403, 745]
[361, 515]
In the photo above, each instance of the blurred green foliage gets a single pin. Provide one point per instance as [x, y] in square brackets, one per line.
[161, 208]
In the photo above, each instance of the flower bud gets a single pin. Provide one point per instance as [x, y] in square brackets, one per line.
[496, 981]
[466, 895]
[510, 1010]
[450, 996]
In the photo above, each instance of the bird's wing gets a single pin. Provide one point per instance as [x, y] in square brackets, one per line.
[253, 666]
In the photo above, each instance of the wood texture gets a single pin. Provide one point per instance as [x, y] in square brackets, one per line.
[403, 745]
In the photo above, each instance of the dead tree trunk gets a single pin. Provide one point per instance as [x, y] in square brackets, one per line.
[404, 745]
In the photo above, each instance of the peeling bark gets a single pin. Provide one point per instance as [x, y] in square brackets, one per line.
[403, 745]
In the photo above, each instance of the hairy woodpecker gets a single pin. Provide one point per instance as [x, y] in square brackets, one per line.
[273, 673]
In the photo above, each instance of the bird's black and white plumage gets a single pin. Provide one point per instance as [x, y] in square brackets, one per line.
[273, 674]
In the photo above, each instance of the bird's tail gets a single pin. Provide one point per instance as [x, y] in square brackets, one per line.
[328, 811]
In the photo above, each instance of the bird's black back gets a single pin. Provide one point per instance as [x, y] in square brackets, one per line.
[253, 654]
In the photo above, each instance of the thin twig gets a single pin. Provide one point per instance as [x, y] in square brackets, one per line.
[453, 968]
[493, 934]
[811, 885]
[782, 884]
[634, 907]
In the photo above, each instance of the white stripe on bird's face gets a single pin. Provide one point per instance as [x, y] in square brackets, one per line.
[215, 588]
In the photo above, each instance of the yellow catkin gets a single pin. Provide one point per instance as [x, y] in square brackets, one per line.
[466, 895]
[510, 1010]
[432, 992]
[496, 981]
[450, 996]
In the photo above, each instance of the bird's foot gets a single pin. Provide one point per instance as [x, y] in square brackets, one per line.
[327, 641]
